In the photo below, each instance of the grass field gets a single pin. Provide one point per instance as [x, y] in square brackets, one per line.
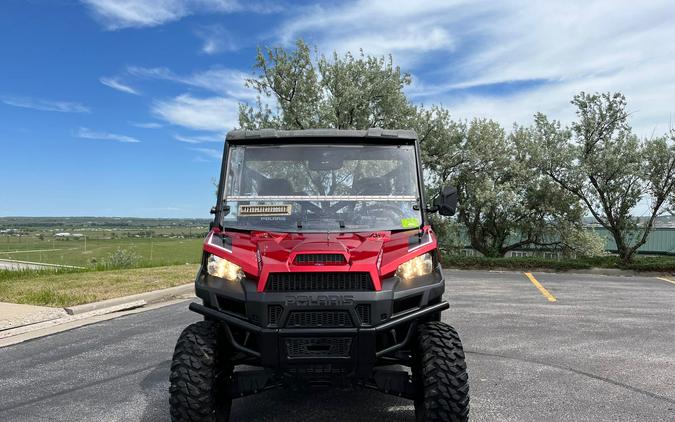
[165, 253]
[158, 251]
[154, 241]
[50, 288]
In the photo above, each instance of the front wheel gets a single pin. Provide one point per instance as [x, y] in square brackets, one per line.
[199, 374]
[439, 372]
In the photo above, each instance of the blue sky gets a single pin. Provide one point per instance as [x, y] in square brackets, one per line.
[119, 107]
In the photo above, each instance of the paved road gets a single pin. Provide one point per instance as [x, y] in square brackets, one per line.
[8, 264]
[602, 352]
[15, 266]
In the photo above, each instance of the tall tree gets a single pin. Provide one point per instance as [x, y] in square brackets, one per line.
[442, 143]
[504, 203]
[345, 92]
[600, 161]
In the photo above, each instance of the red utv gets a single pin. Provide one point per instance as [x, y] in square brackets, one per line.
[321, 267]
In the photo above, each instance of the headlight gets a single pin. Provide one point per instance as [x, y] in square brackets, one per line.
[221, 267]
[416, 267]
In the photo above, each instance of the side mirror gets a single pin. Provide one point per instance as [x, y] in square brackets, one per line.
[446, 201]
[226, 209]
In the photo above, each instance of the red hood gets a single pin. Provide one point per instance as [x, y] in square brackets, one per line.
[261, 253]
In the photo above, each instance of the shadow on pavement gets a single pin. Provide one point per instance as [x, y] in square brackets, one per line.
[285, 405]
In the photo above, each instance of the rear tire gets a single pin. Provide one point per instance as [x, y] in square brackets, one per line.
[199, 376]
[439, 372]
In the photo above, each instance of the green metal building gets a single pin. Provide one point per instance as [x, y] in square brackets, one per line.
[661, 241]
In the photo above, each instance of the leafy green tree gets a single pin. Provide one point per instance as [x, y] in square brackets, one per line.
[505, 204]
[442, 142]
[449, 233]
[600, 161]
[584, 243]
[341, 92]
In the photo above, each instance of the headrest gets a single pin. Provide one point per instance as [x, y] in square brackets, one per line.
[370, 186]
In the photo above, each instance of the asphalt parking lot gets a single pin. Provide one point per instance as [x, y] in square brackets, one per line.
[598, 348]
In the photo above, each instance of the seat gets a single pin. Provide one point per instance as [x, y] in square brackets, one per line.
[275, 187]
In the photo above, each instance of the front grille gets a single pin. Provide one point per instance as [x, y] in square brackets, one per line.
[320, 258]
[364, 313]
[312, 319]
[318, 282]
[302, 347]
[274, 314]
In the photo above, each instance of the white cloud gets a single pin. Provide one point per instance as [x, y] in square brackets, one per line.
[119, 14]
[147, 125]
[210, 152]
[85, 133]
[199, 139]
[407, 39]
[216, 39]
[114, 83]
[217, 114]
[599, 46]
[46, 105]
[212, 113]
[649, 95]
[219, 80]
[409, 30]
[470, 55]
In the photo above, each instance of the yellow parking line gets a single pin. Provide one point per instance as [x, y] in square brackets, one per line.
[541, 288]
[666, 280]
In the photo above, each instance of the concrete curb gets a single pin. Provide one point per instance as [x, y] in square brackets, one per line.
[70, 318]
[616, 272]
[13, 315]
[147, 297]
[98, 309]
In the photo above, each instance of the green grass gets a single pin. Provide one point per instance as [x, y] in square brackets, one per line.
[163, 247]
[67, 288]
[152, 252]
[647, 264]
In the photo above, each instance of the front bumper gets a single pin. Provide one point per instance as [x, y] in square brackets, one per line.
[263, 326]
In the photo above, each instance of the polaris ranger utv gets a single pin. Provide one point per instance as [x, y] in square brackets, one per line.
[321, 267]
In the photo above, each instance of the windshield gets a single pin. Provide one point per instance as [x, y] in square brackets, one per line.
[322, 188]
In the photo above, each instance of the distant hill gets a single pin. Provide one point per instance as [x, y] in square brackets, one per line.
[99, 222]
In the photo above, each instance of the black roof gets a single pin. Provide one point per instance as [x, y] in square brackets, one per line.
[371, 135]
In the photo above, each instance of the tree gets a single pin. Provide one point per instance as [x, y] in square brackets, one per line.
[503, 202]
[342, 92]
[441, 141]
[601, 162]
[347, 92]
